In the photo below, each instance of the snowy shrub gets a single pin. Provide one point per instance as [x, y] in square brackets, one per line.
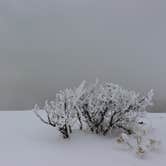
[101, 107]
[108, 106]
[140, 144]
[62, 113]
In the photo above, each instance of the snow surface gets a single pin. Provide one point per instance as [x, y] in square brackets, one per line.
[25, 141]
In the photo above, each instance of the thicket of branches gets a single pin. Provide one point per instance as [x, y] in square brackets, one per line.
[99, 108]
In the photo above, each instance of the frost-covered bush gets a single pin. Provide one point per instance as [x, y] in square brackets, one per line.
[108, 106]
[100, 107]
[63, 112]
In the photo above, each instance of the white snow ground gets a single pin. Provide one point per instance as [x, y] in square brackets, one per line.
[25, 141]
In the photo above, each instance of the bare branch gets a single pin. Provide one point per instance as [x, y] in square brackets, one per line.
[39, 116]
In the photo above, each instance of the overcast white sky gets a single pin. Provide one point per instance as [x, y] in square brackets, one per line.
[46, 45]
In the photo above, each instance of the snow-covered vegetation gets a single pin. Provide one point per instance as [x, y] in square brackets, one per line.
[101, 108]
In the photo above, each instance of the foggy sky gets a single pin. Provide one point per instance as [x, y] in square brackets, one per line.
[47, 45]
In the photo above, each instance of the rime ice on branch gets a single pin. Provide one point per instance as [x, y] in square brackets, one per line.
[98, 107]
[108, 106]
[63, 112]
